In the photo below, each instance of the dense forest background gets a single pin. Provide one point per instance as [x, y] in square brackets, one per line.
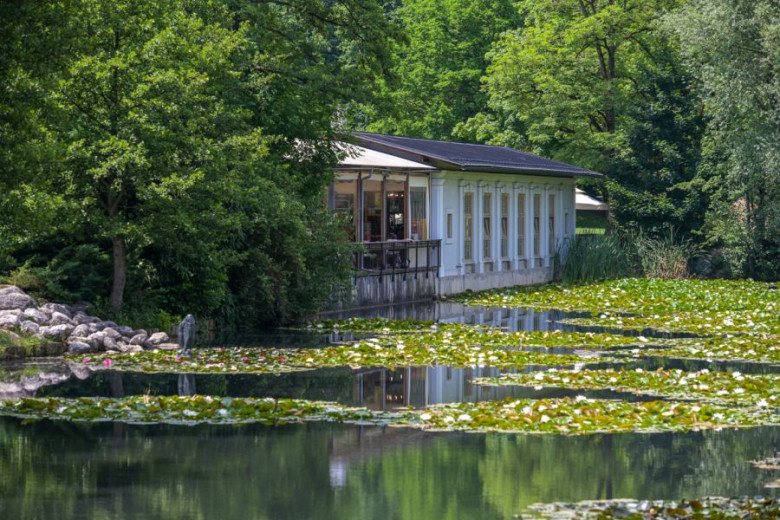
[168, 156]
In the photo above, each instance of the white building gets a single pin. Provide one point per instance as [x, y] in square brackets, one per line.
[437, 218]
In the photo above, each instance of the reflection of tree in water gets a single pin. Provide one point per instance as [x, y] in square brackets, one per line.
[65, 470]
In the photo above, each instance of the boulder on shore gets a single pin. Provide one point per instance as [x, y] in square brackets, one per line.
[12, 297]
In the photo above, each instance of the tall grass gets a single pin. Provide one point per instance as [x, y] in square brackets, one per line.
[664, 257]
[597, 257]
[601, 257]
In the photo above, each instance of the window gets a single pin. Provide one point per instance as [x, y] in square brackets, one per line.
[419, 221]
[504, 225]
[344, 205]
[487, 223]
[537, 224]
[468, 226]
[551, 230]
[449, 225]
[372, 211]
[521, 225]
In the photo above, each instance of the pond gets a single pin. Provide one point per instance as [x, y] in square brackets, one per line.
[66, 470]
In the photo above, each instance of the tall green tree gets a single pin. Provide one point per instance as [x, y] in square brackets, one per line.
[438, 69]
[597, 83]
[192, 140]
[733, 48]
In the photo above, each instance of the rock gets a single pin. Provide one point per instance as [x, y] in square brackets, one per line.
[12, 297]
[81, 330]
[77, 347]
[12, 312]
[56, 331]
[96, 340]
[82, 318]
[158, 338]
[30, 327]
[111, 333]
[139, 339]
[140, 331]
[132, 349]
[51, 308]
[36, 315]
[167, 346]
[106, 324]
[9, 321]
[124, 330]
[58, 318]
[110, 343]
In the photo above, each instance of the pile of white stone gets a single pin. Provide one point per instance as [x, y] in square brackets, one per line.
[71, 324]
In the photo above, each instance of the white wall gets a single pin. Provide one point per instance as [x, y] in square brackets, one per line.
[447, 192]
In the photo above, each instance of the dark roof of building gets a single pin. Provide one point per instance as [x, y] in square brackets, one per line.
[469, 157]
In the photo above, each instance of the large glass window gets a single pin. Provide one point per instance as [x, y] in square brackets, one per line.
[396, 210]
[468, 226]
[487, 223]
[537, 225]
[419, 221]
[521, 225]
[345, 198]
[504, 225]
[551, 230]
[372, 211]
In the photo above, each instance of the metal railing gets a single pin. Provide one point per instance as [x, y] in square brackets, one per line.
[399, 257]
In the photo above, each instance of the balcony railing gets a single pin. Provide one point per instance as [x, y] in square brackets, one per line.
[399, 257]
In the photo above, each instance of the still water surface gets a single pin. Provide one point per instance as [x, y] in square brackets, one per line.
[115, 471]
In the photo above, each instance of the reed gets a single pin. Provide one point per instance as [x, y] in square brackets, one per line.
[596, 257]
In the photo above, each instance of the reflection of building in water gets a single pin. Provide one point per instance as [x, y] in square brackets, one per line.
[448, 312]
[387, 389]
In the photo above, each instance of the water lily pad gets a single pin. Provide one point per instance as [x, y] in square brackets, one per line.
[761, 391]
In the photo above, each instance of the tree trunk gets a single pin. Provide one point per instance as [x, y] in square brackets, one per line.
[120, 272]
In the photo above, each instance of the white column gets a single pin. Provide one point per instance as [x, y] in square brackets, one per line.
[459, 225]
[478, 257]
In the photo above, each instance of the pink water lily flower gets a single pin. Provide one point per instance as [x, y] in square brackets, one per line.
[177, 359]
[244, 359]
[86, 360]
[107, 362]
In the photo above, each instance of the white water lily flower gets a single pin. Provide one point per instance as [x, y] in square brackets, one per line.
[739, 390]
[762, 403]
[538, 388]
[581, 398]
[643, 339]
[539, 376]
[425, 416]
[695, 408]
[464, 417]
[528, 410]
[545, 419]
[639, 370]
[542, 408]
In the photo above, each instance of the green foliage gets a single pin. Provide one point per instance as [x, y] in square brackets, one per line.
[437, 72]
[591, 222]
[74, 273]
[732, 47]
[665, 257]
[187, 142]
[598, 257]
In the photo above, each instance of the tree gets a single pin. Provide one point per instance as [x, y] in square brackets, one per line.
[733, 48]
[189, 139]
[438, 70]
[596, 83]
